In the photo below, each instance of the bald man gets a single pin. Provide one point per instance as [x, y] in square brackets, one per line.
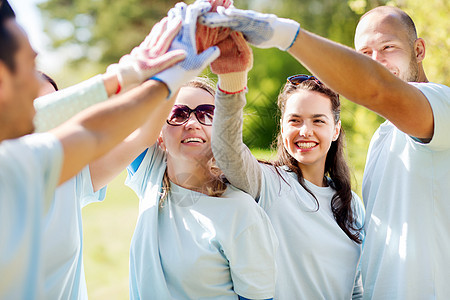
[406, 186]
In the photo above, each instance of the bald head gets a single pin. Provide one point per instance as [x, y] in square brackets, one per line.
[386, 13]
[388, 35]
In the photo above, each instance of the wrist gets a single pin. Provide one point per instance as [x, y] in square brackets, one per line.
[111, 83]
[287, 31]
[232, 83]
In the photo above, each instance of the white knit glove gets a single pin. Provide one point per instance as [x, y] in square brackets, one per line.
[150, 57]
[260, 30]
[194, 63]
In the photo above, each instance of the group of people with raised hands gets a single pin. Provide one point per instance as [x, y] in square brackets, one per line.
[214, 222]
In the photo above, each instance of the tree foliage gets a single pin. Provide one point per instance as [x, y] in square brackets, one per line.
[101, 31]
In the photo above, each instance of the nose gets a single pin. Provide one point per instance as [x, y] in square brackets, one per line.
[306, 130]
[377, 56]
[192, 122]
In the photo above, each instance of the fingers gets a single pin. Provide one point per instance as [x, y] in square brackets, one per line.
[167, 37]
[179, 10]
[209, 55]
[240, 41]
[217, 20]
[166, 61]
[192, 13]
[154, 35]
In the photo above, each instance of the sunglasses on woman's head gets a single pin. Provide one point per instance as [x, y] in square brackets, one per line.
[297, 79]
[180, 114]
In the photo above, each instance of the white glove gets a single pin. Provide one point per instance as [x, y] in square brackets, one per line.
[194, 63]
[260, 30]
[150, 56]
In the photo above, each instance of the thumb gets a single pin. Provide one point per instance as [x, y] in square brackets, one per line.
[209, 55]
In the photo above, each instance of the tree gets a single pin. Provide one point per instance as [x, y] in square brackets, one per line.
[100, 32]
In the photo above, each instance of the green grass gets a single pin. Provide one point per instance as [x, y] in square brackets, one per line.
[108, 227]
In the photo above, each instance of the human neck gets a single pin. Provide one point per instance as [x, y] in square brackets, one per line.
[194, 176]
[421, 77]
[314, 174]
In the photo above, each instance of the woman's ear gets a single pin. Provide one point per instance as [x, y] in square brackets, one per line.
[337, 130]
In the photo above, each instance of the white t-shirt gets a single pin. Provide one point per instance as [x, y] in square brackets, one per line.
[196, 246]
[63, 238]
[406, 189]
[316, 259]
[29, 173]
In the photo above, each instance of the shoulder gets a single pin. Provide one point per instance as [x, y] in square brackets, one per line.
[240, 203]
[434, 92]
[438, 96]
[282, 173]
[147, 169]
[33, 162]
[35, 150]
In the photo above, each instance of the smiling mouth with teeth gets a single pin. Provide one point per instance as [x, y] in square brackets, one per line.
[306, 145]
[192, 140]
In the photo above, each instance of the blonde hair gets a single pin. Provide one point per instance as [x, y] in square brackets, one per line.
[218, 183]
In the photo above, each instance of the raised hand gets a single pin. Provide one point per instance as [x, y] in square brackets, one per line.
[260, 30]
[194, 63]
[233, 64]
[208, 36]
[150, 57]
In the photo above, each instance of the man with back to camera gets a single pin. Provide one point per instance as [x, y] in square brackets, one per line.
[405, 185]
[31, 165]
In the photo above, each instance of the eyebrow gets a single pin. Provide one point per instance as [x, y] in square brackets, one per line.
[312, 116]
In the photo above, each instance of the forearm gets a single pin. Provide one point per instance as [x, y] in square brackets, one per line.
[232, 156]
[347, 72]
[96, 130]
[56, 108]
[366, 82]
[107, 167]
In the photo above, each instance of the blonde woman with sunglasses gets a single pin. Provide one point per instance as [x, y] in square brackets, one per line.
[306, 191]
[197, 237]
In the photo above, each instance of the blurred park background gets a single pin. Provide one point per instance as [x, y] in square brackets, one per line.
[91, 34]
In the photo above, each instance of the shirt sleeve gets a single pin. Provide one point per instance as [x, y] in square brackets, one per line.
[145, 168]
[438, 96]
[85, 190]
[232, 156]
[55, 108]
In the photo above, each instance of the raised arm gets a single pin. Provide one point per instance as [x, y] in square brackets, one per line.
[366, 82]
[355, 76]
[106, 168]
[144, 61]
[232, 156]
[98, 129]
[110, 165]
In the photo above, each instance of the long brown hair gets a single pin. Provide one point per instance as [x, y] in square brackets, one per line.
[217, 185]
[336, 167]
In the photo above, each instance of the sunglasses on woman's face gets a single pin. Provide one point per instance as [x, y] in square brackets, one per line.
[297, 79]
[180, 114]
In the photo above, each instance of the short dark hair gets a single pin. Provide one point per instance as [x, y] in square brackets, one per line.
[8, 44]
